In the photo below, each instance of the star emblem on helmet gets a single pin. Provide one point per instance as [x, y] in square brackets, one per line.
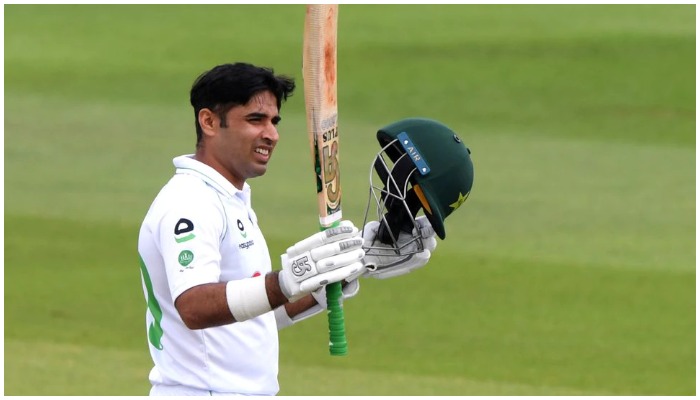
[460, 200]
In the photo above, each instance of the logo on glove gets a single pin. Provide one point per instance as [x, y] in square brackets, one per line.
[300, 266]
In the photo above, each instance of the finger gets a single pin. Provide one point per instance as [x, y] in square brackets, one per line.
[320, 297]
[335, 275]
[420, 261]
[332, 249]
[422, 221]
[354, 278]
[430, 243]
[421, 258]
[339, 260]
[370, 230]
[352, 288]
[344, 230]
[391, 273]
[424, 227]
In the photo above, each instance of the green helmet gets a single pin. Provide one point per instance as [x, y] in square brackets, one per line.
[428, 168]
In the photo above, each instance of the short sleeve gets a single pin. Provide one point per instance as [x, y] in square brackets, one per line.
[190, 235]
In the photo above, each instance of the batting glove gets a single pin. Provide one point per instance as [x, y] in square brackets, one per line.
[384, 261]
[323, 258]
[284, 320]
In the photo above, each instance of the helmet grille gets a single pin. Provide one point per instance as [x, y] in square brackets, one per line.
[397, 203]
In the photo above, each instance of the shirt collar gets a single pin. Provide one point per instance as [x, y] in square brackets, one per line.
[186, 164]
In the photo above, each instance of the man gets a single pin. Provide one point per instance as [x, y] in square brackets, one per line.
[214, 302]
[207, 274]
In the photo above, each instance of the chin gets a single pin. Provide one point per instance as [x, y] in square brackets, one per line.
[259, 172]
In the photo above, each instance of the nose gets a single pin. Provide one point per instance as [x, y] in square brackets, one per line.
[271, 134]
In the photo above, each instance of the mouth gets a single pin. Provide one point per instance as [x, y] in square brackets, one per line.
[264, 153]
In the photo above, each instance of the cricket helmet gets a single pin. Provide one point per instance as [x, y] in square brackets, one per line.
[423, 164]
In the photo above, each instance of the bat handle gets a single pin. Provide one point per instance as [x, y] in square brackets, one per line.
[338, 344]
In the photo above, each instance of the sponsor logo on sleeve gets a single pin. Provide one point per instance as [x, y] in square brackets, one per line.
[185, 258]
[184, 230]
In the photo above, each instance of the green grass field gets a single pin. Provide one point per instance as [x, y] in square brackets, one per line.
[570, 270]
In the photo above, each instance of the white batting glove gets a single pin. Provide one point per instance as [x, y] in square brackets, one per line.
[284, 320]
[383, 264]
[322, 258]
[349, 290]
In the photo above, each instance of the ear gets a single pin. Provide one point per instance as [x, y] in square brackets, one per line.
[209, 121]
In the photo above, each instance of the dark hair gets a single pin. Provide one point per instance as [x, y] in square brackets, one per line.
[229, 85]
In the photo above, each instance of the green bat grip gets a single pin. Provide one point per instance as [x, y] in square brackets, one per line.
[338, 343]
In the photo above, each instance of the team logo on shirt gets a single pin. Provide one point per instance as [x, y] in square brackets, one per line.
[185, 258]
[183, 230]
[241, 229]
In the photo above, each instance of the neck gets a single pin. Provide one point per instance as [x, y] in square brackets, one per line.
[206, 158]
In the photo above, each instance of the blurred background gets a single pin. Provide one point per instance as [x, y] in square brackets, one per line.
[569, 271]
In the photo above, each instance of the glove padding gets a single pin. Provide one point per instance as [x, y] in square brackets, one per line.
[322, 258]
[284, 320]
[349, 290]
[382, 264]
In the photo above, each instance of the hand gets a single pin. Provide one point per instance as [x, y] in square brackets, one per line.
[385, 261]
[284, 320]
[350, 289]
[323, 258]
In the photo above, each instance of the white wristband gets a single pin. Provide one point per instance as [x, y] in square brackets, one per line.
[247, 298]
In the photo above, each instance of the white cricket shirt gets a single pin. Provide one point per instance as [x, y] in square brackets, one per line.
[201, 229]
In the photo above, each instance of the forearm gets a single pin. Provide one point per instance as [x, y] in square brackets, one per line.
[209, 305]
[204, 306]
[291, 313]
[274, 294]
[299, 306]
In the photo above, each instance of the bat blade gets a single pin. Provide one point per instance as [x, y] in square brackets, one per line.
[321, 98]
[320, 91]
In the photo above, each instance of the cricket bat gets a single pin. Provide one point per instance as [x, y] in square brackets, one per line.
[321, 98]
